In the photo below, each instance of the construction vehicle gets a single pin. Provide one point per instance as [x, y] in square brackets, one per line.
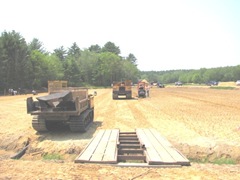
[72, 107]
[122, 89]
[143, 88]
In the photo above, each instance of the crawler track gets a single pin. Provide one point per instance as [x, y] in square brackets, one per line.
[76, 123]
[82, 122]
[39, 124]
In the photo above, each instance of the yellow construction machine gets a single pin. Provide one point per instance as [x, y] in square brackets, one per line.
[122, 89]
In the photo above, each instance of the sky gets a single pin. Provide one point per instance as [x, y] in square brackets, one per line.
[161, 34]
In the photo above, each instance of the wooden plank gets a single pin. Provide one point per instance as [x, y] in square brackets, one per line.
[160, 138]
[167, 153]
[133, 146]
[128, 138]
[176, 155]
[127, 133]
[131, 157]
[110, 154]
[130, 151]
[129, 142]
[99, 152]
[179, 157]
[86, 154]
[151, 154]
[162, 152]
[146, 165]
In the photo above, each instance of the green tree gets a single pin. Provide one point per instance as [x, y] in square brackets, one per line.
[61, 53]
[111, 47]
[74, 51]
[35, 44]
[236, 73]
[88, 64]
[132, 59]
[107, 68]
[72, 72]
[55, 67]
[95, 48]
[13, 60]
[130, 71]
[196, 78]
[38, 71]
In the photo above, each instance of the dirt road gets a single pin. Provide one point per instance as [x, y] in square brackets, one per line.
[203, 123]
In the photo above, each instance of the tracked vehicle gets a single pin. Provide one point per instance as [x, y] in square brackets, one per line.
[73, 107]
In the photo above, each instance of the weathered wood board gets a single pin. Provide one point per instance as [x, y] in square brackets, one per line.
[103, 148]
[159, 151]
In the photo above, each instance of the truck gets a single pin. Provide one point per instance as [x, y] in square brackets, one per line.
[72, 107]
[122, 89]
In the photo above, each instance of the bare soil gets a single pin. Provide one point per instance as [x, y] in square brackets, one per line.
[202, 123]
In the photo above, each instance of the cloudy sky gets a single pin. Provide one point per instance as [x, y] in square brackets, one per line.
[162, 34]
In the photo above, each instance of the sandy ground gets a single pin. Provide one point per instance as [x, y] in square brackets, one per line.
[202, 123]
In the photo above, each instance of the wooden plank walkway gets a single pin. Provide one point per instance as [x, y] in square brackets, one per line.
[102, 148]
[158, 151]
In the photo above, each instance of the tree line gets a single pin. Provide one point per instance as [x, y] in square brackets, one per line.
[200, 76]
[30, 66]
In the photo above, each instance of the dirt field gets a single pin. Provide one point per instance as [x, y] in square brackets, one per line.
[203, 123]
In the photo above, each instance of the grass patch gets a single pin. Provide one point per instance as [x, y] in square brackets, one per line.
[224, 161]
[52, 157]
[218, 161]
[222, 87]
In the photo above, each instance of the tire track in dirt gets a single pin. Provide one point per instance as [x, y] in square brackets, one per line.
[14, 108]
[105, 109]
[112, 113]
[210, 96]
[121, 113]
[159, 118]
[206, 119]
[139, 117]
